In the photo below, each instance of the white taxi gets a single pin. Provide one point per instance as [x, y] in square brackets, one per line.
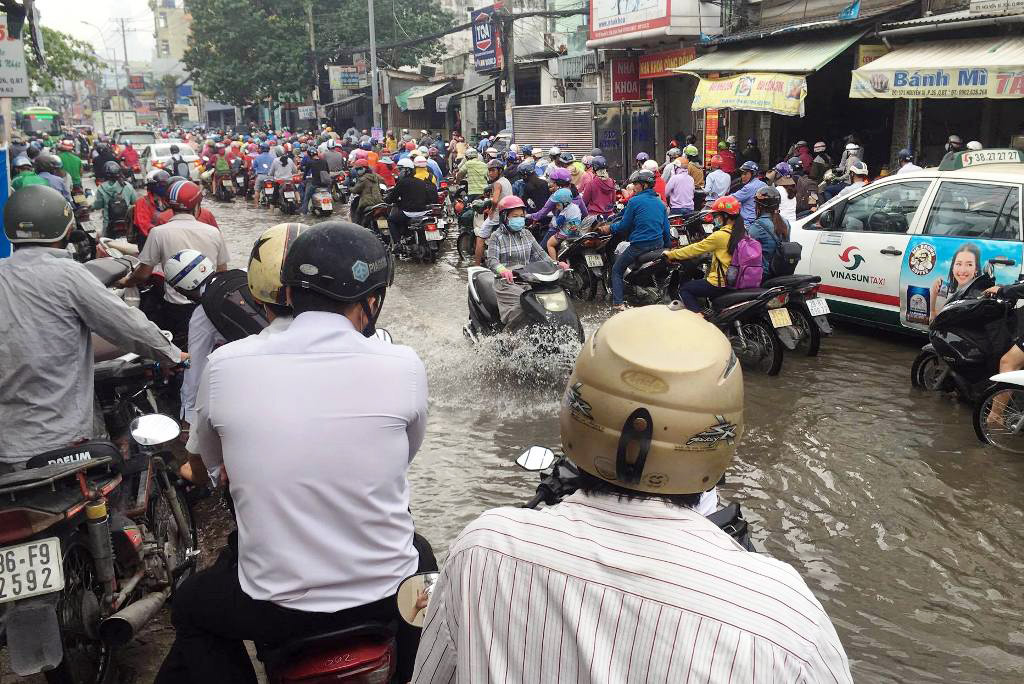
[891, 253]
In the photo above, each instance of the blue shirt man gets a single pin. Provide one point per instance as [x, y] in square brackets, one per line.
[261, 163]
[645, 224]
[745, 195]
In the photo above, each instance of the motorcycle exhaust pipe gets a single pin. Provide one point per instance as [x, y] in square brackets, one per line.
[119, 628]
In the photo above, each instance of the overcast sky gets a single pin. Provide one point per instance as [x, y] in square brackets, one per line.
[68, 15]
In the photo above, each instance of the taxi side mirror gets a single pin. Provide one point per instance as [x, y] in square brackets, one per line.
[827, 219]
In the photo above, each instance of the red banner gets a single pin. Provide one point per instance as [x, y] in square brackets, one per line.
[658, 65]
[625, 80]
[710, 134]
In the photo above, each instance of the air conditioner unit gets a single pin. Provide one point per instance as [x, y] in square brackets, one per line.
[427, 70]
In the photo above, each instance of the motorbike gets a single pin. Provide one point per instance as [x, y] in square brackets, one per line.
[546, 305]
[321, 203]
[339, 187]
[224, 191]
[268, 193]
[471, 216]
[808, 311]
[586, 258]
[241, 178]
[421, 240]
[288, 194]
[375, 218]
[138, 177]
[966, 339]
[998, 414]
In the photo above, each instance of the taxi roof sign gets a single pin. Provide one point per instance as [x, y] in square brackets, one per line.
[955, 161]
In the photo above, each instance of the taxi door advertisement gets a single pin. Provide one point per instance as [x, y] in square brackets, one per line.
[936, 267]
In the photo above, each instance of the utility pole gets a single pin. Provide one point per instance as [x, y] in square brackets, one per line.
[312, 57]
[510, 68]
[373, 69]
[124, 46]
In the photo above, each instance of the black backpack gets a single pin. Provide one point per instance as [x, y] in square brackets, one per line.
[230, 306]
[180, 167]
[117, 209]
[785, 259]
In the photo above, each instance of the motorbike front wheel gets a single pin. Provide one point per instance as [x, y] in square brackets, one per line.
[465, 243]
[580, 282]
[810, 334]
[929, 372]
[999, 418]
[759, 349]
[174, 527]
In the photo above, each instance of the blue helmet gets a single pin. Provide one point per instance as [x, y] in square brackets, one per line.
[366, 145]
[264, 147]
[527, 168]
[598, 163]
[750, 166]
[512, 156]
[527, 150]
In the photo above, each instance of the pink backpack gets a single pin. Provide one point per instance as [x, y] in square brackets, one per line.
[746, 269]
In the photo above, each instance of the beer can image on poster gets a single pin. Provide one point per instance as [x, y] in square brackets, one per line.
[918, 304]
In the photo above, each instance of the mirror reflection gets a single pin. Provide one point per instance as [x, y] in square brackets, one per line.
[383, 335]
[154, 429]
[536, 458]
[414, 596]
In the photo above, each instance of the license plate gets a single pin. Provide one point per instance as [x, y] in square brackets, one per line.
[31, 569]
[289, 195]
[594, 260]
[240, 180]
[268, 191]
[818, 307]
[382, 223]
[780, 317]
[432, 235]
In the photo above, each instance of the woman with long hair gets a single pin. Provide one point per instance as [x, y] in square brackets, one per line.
[721, 244]
[964, 267]
[769, 228]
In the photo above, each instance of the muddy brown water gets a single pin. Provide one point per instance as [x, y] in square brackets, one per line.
[904, 526]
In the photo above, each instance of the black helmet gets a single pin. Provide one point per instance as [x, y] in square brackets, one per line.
[767, 197]
[111, 168]
[642, 176]
[566, 157]
[339, 260]
[598, 163]
[47, 163]
[37, 213]
[157, 180]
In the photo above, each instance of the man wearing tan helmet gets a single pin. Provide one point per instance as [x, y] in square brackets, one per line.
[623, 578]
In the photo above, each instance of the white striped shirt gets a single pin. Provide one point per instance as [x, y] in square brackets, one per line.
[598, 589]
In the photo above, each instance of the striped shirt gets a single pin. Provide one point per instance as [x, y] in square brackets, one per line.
[598, 589]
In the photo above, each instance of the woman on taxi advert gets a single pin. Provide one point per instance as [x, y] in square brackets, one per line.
[964, 268]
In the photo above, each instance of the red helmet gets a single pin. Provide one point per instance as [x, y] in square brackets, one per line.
[726, 205]
[410, 146]
[510, 202]
[715, 161]
[287, 147]
[184, 196]
[360, 163]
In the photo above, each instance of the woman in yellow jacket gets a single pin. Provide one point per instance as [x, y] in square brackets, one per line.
[729, 230]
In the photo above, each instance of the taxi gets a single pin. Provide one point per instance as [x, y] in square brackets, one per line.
[891, 253]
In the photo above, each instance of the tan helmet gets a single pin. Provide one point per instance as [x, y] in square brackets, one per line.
[655, 402]
[266, 259]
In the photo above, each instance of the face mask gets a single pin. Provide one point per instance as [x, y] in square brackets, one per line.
[516, 223]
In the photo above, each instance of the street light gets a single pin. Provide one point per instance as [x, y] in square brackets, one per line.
[113, 53]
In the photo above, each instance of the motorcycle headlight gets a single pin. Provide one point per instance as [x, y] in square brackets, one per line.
[553, 301]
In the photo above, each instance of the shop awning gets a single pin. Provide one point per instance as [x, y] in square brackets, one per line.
[412, 98]
[473, 90]
[963, 68]
[790, 57]
[347, 100]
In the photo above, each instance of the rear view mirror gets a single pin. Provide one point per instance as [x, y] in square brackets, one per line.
[413, 597]
[827, 219]
[154, 429]
[536, 458]
[383, 335]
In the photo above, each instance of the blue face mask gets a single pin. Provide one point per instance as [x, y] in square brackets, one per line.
[516, 223]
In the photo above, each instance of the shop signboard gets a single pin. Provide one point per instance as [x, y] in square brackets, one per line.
[625, 80]
[614, 17]
[869, 53]
[1002, 82]
[345, 77]
[487, 53]
[778, 93]
[307, 112]
[13, 70]
[660, 64]
[441, 103]
[997, 7]
[136, 82]
[710, 134]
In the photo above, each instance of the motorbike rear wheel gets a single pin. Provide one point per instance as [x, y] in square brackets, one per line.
[1005, 430]
[580, 282]
[810, 335]
[759, 349]
[926, 373]
[179, 545]
[465, 243]
[87, 660]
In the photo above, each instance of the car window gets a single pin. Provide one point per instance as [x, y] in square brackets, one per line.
[161, 150]
[888, 208]
[139, 138]
[975, 210]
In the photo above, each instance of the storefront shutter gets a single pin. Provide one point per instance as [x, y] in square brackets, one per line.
[569, 126]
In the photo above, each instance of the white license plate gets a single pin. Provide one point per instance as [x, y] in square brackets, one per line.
[268, 191]
[240, 180]
[432, 235]
[594, 260]
[818, 307]
[31, 569]
[440, 224]
[289, 195]
[326, 203]
[382, 223]
[780, 317]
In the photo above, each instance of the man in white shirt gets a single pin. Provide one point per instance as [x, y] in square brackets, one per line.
[315, 426]
[718, 182]
[906, 159]
[623, 581]
[858, 178]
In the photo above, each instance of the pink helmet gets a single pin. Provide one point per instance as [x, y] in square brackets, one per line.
[510, 202]
[559, 174]
[361, 154]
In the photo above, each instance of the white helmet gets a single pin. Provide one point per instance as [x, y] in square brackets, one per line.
[405, 163]
[555, 150]
[650, 165]
[852, 146]
[858, 168]
[187, 270]
[420, 161]
[514, 148]
[640, 415]
[423, 150]
[492, 153]
[483, 134]
[974, 145]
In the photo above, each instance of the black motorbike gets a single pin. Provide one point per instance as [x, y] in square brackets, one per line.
[587, 260]
[808, 312]
[422, 238]
[966, 339]
[472, 215]
[559, 478]
[241, 178]
[545, 305]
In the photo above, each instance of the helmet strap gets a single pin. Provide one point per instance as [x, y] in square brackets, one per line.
[637, 429]
[370, 329]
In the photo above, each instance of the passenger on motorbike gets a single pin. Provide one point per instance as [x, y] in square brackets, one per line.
[49, 306]
[149, 205]
[769, 228]
[71, 162]
[129, 156]
[474, 172]
[294, 466]
[629, 553]
[316, 176]
[679, 191]
[745, 194]
[718, 182]
[508, 247]
[566, 221]
[500, 189]
[535, 191]
[49, 168]
[729, 230]
[409, 199]
[424, 172]
[558, 178]
[113, 189]
[25, 174]
[335, 159]
[366, 190]
[599, 195]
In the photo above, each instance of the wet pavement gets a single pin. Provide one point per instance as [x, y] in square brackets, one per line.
[904, 526]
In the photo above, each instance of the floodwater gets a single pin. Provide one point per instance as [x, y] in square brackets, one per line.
[904, 526]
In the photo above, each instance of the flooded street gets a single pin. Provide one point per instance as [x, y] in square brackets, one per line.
[903, 525]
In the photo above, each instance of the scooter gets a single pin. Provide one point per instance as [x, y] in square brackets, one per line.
[241, 178]
[966, 340]
[287, 195]
[586, 259]
[808, 311]
[471, 216]
[322, 203]
[268, 193]
[339, 187]
[421, 240]
[546, 305]
[998, 414]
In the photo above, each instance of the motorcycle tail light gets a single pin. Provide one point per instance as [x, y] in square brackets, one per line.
[810, 292]
[355, 662]
[430, 227]
[591, 243]
[779, 302]
[20, 523]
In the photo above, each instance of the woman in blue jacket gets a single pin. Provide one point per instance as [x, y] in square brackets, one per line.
[769, 228]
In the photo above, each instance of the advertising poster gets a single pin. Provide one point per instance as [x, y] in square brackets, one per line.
[615, 17]
[936, 267]
[487, 53]
[779, 93]
[710, 134]
[625, 82]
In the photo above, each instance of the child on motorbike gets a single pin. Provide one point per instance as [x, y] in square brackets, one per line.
[567, 220]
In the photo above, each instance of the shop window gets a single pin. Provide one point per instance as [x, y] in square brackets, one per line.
[888, 208]
[165, 48]
[162, 18]
[975, 210]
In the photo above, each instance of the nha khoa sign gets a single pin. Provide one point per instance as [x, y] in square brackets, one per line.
[625, 79]
[996, 83]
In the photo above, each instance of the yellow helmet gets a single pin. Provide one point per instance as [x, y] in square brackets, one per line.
[655, 402]
[266, 259]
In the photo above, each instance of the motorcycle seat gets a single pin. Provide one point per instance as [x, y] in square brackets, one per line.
[646, 257]
[791, 280]
[483, 281]
[108, 270]
[79, 453]
[298, 651]
[731, 298]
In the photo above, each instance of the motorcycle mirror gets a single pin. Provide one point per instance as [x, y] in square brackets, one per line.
[383, 335]
[413, 597]
[536, 458]
[154, 429]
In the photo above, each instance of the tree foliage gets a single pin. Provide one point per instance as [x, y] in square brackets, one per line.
[66, 58]
[242, 51]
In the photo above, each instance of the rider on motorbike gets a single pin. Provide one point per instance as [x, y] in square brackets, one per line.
[627, 553]
[535, 191]
[49, 306]
[366, 189]
[729, 230]
[599, 195]
[112, 189]
[150, 204]
[293, 466]
[409, 199]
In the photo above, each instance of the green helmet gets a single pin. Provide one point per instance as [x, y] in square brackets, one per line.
[39, 214]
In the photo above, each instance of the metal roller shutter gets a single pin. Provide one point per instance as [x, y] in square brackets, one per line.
[570, 126]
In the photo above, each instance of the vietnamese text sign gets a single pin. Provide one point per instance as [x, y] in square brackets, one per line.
[996, 7]
[659, 64]
[1004, 82]
[13, 71]
[307, 112]
[779, 93]
[441, 103]
[869, 53]
[710, 134]
[614, 17]
[345, 77]
[625, 83]
[487, 53]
